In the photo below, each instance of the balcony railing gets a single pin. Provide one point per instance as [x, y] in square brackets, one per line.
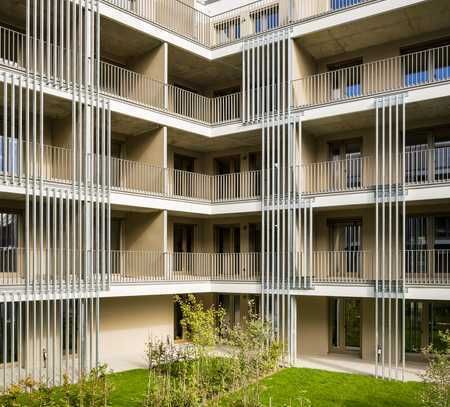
[338, 176]
[144, 178]
[427, 267]
[139, 88]
[54, 63]
[423, 166]
[422, 267]
[342, 266]
[174, 15]
[233, 25]
[427, 166]
[141, 266]
[402, 72]
[52, 267]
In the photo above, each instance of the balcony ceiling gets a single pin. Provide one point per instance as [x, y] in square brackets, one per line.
[201, 74]
[405, 23]
[420, 114]
[130, 126]
[13, 13]
[195, 142]
[121, 44]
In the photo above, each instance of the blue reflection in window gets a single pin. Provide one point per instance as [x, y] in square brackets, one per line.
[442, 73]
[269, 19]
[416, 78]
[338, 4]
[354, 90]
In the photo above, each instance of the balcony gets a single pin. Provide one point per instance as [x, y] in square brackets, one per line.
[55, 164]
[231, 26]
[422, 167]
[423, 267]
[127, 267]
[393, 74]
[136, 266]
[132, 176]
[120, 83]
[134, 87]
[427, 267]
[343, 267]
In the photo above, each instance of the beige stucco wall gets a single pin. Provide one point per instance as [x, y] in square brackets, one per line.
[205, 230]
[312, 325]
[144, 231]
[127, 323]
[152, 63]
[204, 163]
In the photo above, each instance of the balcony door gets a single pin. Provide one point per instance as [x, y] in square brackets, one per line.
[441, 245]
[184, 236]
[254, 165]
[345, 325]
[347, 169]
[117, 264]
[442, 156]
[227, 244]
[346, 79]
[9, 245]
[182, 182]
[227, 181]
[345, 244]
[416, 245]
[232, 305]
[417, 157]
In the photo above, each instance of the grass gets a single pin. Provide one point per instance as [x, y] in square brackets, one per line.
[129, 388]
[324, 389]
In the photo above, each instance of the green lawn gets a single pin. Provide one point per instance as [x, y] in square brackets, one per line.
[322, 388]
[129, 388]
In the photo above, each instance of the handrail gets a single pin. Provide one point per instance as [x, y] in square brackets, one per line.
[135, 266]
[343, 266]
[423, 166]
[385, 75]
[422, 267]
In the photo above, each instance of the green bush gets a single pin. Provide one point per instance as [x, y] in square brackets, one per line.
[91, 391]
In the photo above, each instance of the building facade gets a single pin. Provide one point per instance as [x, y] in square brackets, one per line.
[294, 152]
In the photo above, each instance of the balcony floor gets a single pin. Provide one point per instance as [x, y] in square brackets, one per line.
[346, 363]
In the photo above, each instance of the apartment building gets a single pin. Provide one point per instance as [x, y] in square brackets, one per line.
[293, 152]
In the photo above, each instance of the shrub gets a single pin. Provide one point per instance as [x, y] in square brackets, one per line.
[437, 376]
[91, 391]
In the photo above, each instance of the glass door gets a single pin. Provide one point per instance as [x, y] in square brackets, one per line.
[345, 321]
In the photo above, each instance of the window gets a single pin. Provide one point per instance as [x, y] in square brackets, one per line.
[413, 326]
[338, 4]
[228, 30]
[442, 157]
[9, 161]
[416, 244]
[9, 334]
[265, 19]
[70, 328]
[442, 244]
[426, 62]
[439, 321]
[9, 239]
